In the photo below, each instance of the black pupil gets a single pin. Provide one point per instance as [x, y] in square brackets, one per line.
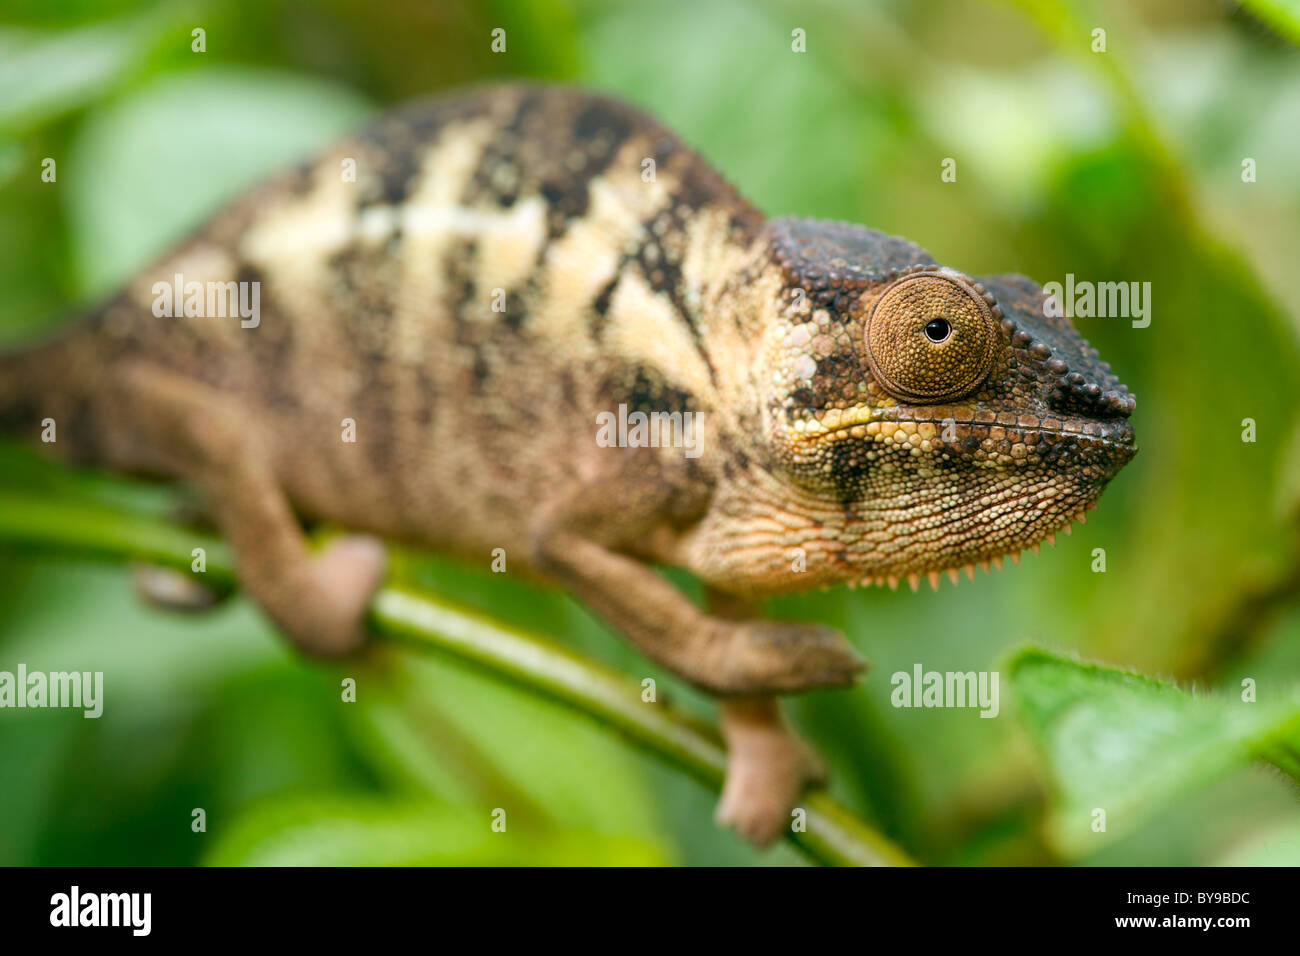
[936, 330]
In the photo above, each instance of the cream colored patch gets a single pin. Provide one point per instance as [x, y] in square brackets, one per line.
[736, 320]
[291, 242]
[205, 264]
[710, 258]
[583, 261]
[376, 224]
[508, 240]
[509, 244]
[199, 263]
[645, 327]
[296, 238]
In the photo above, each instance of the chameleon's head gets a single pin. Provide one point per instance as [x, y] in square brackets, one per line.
[955, 420]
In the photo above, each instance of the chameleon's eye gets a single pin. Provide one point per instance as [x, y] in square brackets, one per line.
[938, 330]
[930, 337]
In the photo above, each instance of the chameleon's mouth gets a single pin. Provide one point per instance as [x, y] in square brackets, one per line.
[1116, 433]
[962, 430]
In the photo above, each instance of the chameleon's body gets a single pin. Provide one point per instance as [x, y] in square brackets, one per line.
[506, 267]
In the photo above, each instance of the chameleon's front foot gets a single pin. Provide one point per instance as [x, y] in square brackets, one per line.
[756, 656]
[767, 769]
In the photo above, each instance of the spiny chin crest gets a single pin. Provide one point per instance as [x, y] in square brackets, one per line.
[934, 576]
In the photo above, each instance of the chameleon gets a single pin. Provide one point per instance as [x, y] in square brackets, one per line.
[453, 305]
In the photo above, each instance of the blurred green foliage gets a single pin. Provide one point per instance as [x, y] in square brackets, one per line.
[1122, 165]
[1120, 745]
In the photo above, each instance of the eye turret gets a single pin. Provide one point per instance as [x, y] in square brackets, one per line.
[930, 337]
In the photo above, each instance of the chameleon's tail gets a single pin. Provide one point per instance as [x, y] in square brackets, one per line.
[19, 400]
[39, 387]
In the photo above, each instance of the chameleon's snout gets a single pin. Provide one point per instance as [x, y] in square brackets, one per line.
[1050, 349]
[1089, 389]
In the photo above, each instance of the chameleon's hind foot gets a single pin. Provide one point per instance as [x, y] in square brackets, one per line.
[768, 767]
[323, 606]
[317, 599]
[327, 616]
[175, 590]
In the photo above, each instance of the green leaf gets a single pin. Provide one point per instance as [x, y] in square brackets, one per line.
[1281, 15]
[169, 155]
[92, 59]
[343, 830]
[1125, 744]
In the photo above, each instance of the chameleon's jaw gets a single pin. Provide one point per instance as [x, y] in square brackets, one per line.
[1004, 511]
[911, 517]
[992, 562]
[938, 490]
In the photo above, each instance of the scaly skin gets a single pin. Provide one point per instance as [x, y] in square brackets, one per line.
[845, 436]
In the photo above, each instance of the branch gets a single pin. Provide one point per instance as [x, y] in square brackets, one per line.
[425, 623]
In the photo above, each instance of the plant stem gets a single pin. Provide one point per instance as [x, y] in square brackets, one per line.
[833, 836]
